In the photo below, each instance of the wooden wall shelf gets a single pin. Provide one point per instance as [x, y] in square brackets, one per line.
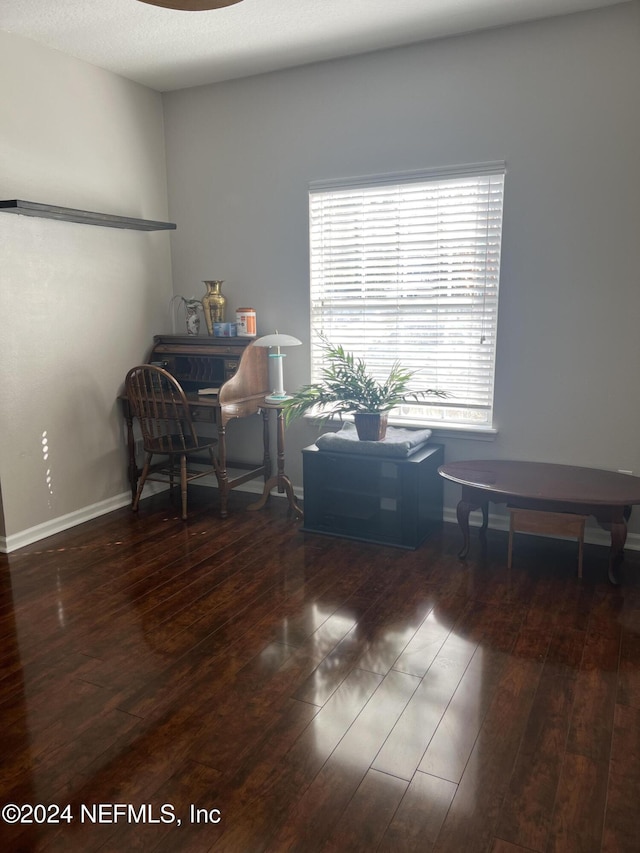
[85, 217]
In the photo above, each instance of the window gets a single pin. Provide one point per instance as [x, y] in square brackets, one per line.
[406, 267]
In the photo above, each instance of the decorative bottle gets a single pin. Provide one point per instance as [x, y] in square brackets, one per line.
[213, 304]
[191, 308]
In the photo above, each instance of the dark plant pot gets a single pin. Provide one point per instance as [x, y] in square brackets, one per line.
[371, 426]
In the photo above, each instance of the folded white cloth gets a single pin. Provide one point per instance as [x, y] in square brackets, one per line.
[398, 441]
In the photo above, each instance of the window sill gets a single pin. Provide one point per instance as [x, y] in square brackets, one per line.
[466, 433]
[460, 431]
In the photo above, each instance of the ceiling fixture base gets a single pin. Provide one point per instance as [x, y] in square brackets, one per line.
[191, 5]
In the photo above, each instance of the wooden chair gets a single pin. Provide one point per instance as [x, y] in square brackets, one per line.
[160, 405]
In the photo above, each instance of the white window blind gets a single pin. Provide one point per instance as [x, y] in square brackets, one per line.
[406, 267]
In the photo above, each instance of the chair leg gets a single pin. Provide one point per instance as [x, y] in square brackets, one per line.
[510, 547]
[141, 481]
[183, 485]
[580, 553]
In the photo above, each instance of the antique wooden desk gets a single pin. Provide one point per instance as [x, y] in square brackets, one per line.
[606, 495]
[238, 372]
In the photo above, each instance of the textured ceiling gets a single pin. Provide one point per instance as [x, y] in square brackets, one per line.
[167, 49]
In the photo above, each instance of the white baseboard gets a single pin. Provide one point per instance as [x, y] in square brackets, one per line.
[593, 535]
[63, 522]
[72, 519]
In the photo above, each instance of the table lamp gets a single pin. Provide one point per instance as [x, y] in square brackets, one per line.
[277, 340]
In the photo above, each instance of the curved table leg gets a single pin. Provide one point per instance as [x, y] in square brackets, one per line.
[485, 522]
[618, 529]
[463, 510]
[616, 553]
[465, 506]
[284, 486]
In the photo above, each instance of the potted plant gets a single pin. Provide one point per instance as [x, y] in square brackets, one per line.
[347, 387]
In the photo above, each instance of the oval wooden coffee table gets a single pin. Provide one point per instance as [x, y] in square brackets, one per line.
[545, 486]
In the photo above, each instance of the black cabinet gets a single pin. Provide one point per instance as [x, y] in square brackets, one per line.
[373, 498]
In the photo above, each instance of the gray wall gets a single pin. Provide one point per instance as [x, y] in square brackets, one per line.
[78, 304]
[557, 100]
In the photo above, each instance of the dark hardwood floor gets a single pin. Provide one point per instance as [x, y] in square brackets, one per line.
[307, 693]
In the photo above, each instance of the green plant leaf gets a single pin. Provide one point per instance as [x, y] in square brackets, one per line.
[347, 387]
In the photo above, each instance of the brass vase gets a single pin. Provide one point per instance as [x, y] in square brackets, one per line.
[213, 304]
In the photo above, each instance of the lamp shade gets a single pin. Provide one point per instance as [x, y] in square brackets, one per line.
[277, 340]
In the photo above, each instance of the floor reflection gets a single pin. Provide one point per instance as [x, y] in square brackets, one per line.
[445, 703]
